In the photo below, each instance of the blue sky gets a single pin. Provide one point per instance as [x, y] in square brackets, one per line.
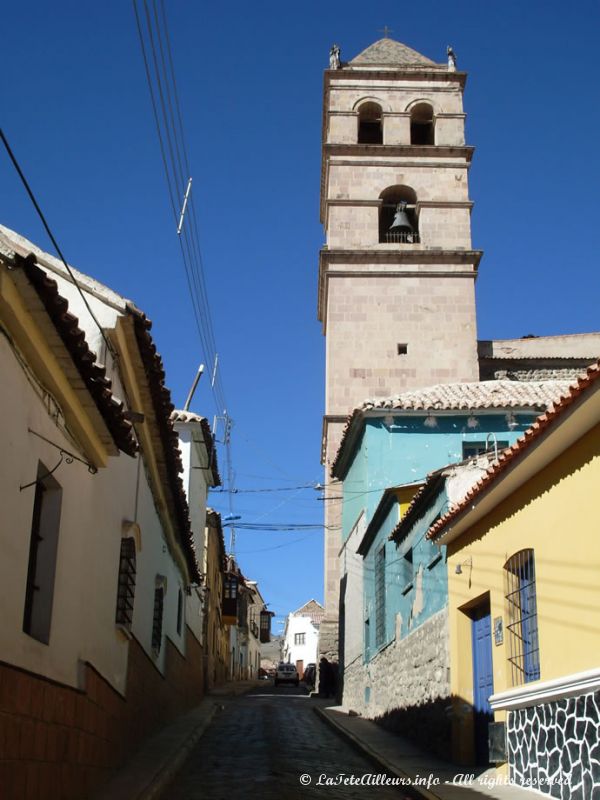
[77, 112]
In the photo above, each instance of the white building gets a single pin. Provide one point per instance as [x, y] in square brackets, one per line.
[101, 616]
[301, 635]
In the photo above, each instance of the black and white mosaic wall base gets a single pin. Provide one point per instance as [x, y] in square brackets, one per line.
[555, 747]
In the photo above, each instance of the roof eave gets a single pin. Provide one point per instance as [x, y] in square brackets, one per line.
[545, 444]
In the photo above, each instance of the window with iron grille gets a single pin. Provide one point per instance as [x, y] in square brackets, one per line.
[126, 586]
[299, 638]
[157, 618]
[380, 597]
[522, 627]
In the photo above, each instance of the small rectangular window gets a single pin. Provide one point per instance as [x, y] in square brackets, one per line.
[299, 638]
[402, 348]
[43, 546]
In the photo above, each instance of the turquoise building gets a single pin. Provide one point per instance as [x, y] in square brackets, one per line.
[397, 462]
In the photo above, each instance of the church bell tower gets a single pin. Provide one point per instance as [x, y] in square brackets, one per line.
[397, 273]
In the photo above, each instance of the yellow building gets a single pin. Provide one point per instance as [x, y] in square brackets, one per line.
[523, 553]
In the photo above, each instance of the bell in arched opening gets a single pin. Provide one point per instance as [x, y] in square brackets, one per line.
[401, 222]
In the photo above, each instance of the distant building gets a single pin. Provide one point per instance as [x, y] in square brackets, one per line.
[301, 635]
[244, 612]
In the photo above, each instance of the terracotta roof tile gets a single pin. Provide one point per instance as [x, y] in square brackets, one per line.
[501, 394]
[92, 373]
[163, 408]
[508, 456]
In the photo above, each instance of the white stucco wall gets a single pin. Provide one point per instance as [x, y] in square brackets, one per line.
[195, 481]
[94, 509]
[307, 652]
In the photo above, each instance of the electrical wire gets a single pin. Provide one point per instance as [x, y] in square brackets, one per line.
[275, 527]
[276, 546]
[274, 489]
[40, 214]
[162, 84]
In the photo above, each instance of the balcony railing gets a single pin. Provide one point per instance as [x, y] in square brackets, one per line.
[404, 237]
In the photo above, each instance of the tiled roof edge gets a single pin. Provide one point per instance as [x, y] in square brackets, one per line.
[511, 454]
[433, 485]
[188, 416]
[390, 404]
[163, 408]
[73, 338]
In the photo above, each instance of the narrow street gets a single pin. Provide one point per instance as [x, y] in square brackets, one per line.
[267, 742]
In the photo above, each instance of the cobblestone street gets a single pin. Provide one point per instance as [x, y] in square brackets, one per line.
[262, 743]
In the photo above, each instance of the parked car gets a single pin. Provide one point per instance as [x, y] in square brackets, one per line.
[310, 674]
[286, 673]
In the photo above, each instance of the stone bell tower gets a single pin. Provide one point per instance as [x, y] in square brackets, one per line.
[397, 273]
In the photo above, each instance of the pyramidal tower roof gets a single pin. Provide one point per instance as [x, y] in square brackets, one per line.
[390, 52]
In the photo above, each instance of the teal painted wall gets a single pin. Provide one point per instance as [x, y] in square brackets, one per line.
[405, 452]
[415, 587]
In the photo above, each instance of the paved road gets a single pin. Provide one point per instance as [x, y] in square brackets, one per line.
[260, 744]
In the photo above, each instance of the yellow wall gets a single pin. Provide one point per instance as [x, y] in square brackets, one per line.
[555, 513]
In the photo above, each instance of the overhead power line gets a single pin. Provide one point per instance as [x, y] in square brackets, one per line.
[153, 34]
[273, 526]
[274, 489]
[40, 214]
[159, 70]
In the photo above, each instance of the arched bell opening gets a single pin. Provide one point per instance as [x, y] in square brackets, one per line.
[422, 124]
[398, 223]
[370, 124]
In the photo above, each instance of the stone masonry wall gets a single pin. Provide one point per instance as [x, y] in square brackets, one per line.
[60, 743]
[555, 747]
[406, 685]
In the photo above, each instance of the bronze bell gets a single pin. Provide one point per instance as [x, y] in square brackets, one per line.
[401, 223]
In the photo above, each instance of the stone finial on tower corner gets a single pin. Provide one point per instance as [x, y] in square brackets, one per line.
[334, 57]
[451, 59]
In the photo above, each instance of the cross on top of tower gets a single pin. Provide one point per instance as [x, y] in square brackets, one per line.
[385, 31]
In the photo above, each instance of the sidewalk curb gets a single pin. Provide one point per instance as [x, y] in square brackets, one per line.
[168, 772]
[418, 792]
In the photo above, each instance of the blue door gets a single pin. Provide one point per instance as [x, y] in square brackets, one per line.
[483, 680]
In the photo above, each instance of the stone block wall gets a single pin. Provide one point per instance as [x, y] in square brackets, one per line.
[346, 94]
[60, 743]
[419, 311]
[432, 180]
[555, 747]
[406, 685]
